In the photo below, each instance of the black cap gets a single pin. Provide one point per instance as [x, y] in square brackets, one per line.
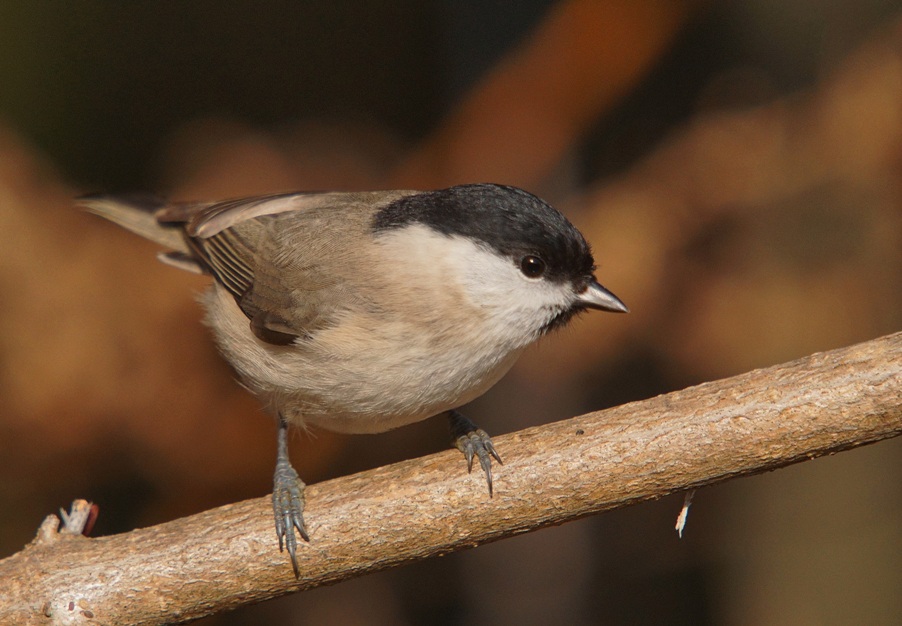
[508, 220]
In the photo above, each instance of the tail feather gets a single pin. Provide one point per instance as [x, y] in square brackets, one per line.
[137, 214]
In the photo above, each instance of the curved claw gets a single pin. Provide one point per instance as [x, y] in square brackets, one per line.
[474, 442]
[288, 510]
[288, 501]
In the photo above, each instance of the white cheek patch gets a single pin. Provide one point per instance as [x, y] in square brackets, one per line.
[492, 284]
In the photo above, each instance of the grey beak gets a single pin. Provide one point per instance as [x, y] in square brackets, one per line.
[597, 297]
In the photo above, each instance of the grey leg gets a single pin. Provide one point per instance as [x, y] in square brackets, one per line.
[288, 500]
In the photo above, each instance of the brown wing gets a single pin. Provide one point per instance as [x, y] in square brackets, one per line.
[268, 253]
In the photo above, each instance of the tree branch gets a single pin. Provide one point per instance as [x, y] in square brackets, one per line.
[227, 557]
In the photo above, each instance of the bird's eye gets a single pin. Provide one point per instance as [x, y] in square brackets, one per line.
[532, 266]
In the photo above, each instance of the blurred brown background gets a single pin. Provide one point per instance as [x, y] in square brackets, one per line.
[736, 166]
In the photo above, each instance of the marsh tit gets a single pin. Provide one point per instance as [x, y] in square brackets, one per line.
[362, 312]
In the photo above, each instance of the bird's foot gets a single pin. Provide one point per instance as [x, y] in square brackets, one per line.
[288, 508]
[473, 442]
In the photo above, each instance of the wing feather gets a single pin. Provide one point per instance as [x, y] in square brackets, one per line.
[207, 220]
[231, 260]
[282, 291]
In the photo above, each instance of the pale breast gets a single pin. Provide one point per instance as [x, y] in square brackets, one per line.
[355, 377]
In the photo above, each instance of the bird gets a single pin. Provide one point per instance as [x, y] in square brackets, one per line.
[360, 312]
